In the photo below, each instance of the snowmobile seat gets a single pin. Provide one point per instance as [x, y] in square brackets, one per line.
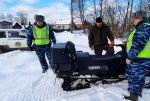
[70, 48]
[103, 59]
[82, 58]
[81, 55]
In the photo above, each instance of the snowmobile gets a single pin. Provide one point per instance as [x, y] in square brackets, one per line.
[80, 70]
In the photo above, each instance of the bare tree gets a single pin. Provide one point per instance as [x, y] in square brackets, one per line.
[71, 16]
[101, 4]
[93, 11]
[147, 7]
[2, 16]
[23, 17]
[80, 7]
[117, 15]
[125, 18]
[95, 8]
[141, 4]
[9, 16]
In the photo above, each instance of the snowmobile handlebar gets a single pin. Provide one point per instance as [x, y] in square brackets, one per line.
[122, 46]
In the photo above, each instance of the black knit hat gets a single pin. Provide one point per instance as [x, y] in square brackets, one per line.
[99, 19]
[39, 18]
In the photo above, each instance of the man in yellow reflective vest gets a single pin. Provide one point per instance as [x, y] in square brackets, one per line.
[43, 37]
[138, 54]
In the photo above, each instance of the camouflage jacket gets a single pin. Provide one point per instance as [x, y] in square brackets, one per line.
[140, 38]
[30, 34]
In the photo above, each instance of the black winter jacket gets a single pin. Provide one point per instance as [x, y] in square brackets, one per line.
[98, 36]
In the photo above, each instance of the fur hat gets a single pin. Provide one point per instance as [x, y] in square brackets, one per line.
[39, 18]
[99, 19]
[139, 14]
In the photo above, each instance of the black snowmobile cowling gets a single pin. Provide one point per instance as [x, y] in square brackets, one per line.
[72, 66]
[71, 63]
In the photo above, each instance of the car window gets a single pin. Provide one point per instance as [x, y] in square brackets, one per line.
[13, 34]
[24, 32]
[2, 34]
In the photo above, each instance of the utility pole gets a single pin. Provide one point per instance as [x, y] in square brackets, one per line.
[71, 17]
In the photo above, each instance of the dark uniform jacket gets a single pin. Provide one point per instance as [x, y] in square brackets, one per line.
[30, 34]
[98, 36]
[140, 38]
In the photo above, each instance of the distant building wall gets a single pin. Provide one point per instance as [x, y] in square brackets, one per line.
[62, 26]
[5, 25]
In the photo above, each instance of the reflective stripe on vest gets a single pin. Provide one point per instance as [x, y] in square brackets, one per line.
[41, 35]
[145, 53]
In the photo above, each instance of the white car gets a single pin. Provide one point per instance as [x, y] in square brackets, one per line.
[12, 39]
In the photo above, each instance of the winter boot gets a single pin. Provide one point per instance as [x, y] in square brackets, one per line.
[128, 89]
[147, 85]
[141, 89]
[55, 70]
[132, 97]
[44, 71]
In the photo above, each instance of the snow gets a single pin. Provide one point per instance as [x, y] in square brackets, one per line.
[62, 21]
[21, 78]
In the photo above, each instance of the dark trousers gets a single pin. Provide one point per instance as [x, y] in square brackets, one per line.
[109, 50]
[41, 51]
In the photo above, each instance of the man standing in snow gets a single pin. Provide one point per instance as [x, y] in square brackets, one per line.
[98, 38]
[42, 35]
[138, 54]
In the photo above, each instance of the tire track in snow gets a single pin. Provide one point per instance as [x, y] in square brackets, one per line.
[42, 89]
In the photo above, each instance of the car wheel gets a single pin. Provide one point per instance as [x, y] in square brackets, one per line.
[1, 50]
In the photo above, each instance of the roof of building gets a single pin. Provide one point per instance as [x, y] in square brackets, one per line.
[14, 23]
[2, 20]
[61, 21]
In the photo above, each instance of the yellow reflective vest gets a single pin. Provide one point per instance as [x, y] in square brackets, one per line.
[41, 35]
[145, 53]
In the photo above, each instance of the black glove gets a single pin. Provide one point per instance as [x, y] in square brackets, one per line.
[54, 42]
[30, 48]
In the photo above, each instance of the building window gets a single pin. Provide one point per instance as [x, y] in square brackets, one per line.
[7, 26]
[4, 26]
[10, 26]
[59, 26]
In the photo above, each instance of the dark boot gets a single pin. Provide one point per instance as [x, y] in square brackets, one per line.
[55, 70]
[147, 85]
[141, 89]
[132, 97]
[44, 71]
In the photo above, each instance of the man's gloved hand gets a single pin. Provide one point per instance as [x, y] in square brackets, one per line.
[92, 48]
[30, 48]
[124, 42]
[54, 42]
[111, 44]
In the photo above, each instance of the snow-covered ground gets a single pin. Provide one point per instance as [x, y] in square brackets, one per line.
[21, 78]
